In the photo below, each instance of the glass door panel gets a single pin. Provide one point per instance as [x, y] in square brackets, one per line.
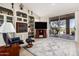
[62, 25]
[72, 26]
[54, 28]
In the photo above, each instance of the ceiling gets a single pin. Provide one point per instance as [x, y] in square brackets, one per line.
[52, 9]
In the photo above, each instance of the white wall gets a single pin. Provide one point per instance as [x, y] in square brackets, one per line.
[77, 26]
[42, 19]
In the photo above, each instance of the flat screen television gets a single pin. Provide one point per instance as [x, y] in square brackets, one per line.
[21, 27]
[40, 25]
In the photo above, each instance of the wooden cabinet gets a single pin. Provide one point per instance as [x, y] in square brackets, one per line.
[13, 50]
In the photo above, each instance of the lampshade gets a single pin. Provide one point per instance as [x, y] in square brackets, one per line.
[7, 27]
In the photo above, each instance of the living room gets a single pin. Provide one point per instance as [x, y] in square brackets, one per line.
[39, 29]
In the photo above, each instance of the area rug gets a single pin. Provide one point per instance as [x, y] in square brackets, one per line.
[53, 47]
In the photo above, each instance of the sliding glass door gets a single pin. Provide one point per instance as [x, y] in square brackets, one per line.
[58, 27]
[54, 28]
[63, 26]
[72, 27]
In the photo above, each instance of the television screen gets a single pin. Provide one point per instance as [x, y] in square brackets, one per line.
[40, 25]
[21, 27]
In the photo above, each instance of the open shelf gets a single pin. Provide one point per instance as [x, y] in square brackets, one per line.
[31, 26]
[21, 14]
[6, 11]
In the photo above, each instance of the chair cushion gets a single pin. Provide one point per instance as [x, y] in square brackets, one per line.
[17, 40]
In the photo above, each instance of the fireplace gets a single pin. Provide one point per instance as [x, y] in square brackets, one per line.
[41, 33]
[40, 29]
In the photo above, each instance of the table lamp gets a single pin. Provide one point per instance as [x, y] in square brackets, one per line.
[7, 27]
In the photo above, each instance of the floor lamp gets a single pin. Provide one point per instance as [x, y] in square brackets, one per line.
[7, 27]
